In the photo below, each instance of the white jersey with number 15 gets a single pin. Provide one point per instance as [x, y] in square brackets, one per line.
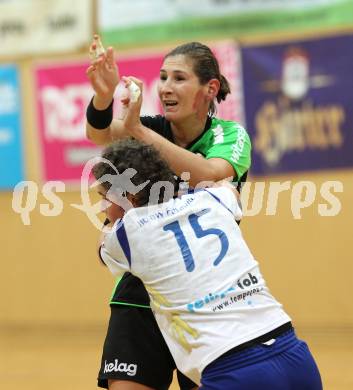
[206, 288]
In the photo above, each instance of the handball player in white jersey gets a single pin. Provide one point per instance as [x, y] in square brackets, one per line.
[221, 324]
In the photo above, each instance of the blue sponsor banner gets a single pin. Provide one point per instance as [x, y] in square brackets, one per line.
[299, 104]
[11, 160]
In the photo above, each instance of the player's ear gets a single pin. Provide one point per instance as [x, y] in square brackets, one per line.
[213, 88]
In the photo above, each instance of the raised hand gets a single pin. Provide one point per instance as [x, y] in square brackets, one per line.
[103, 73]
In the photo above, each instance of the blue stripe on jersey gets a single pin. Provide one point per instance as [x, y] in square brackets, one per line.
[124, 242]
[218, 200]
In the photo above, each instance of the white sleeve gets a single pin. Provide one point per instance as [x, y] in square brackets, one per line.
[113, 251]
[226, 197]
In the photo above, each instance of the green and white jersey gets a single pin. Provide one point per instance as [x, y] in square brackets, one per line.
[220, 139]
[227, 140]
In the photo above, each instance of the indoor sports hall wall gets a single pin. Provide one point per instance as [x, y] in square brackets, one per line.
[290, 67]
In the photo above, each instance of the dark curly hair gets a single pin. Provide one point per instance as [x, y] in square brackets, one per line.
[205, 66]
[148, 163]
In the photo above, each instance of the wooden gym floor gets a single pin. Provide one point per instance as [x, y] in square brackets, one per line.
[58, 359]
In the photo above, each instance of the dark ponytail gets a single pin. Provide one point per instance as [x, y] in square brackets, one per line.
[224, 89]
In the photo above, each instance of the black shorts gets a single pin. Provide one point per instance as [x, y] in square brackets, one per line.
[134, 350]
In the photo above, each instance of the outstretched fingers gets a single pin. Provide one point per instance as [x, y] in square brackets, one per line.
[110, 57]
[90, 70]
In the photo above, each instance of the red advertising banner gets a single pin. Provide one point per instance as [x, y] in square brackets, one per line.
[64, 93]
